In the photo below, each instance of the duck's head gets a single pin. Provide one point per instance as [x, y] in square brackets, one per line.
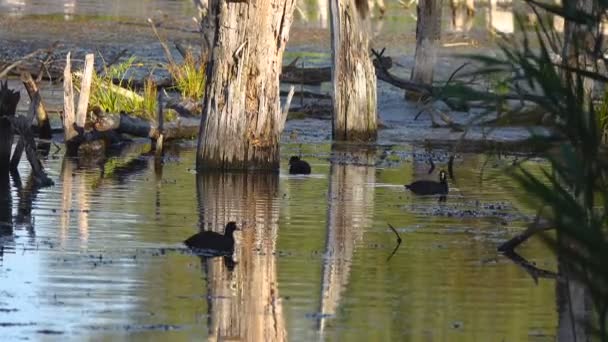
[443, 176]
[230, 228]
[294, 159]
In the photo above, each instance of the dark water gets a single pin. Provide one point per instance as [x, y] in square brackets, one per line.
[100, 257]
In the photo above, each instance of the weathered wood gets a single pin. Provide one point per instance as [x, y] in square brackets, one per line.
[16, 158]
[353, 75]
[44, 126]
[8, 106]
[241, 108]
[181, 128]
[23, 126]
[68, 102]
[310, 76]
[428, 33]
[85, 90]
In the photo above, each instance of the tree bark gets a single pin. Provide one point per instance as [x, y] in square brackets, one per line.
[353, 74]
[428, 34]
[242, 120]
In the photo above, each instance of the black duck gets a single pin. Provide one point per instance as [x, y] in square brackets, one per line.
[427, 187]
[212, 241]
[298, 167]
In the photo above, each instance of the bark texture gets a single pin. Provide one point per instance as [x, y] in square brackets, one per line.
[353, 75]
[428, 33]
[242, 119]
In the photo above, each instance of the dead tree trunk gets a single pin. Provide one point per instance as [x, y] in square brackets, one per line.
[428, 33]
[353, 74]
[8, 106]
[242, 120]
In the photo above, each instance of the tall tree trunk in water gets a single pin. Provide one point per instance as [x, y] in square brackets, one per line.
[242, 119]
[353, 75]
[428, 34]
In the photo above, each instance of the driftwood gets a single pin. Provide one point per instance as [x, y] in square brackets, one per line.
[181, 128]
[16, 158]
[85, 90]
[22, 125]
[310, 76]
[44, 126]
[534, 228]
[530, 268]
[6, 69]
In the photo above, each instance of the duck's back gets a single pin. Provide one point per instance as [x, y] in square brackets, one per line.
[299, 167]
[426, 187]
[209, 240]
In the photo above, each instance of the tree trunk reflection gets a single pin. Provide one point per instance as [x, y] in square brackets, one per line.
[351, 200]
[244, 302]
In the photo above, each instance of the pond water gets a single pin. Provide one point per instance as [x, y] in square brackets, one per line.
[98, 256]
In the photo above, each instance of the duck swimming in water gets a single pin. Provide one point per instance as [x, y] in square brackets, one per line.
[212, 241]
[298, 167]
[427, 187]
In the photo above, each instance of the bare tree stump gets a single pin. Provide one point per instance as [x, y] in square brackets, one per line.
[241, 108]
[428, 34]
[354, 78]
[85, 90]
[68, 103]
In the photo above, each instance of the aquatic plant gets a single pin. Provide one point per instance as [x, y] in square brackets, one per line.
[111, 91]
[572, 195]
[189, 77]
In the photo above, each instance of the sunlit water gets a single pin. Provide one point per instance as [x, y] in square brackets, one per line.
[100, 257]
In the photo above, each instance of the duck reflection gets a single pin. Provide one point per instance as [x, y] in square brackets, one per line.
[242, 289]
[351, 194]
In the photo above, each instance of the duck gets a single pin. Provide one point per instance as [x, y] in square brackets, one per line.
[298, 166]
[212, 241]
[427, 187]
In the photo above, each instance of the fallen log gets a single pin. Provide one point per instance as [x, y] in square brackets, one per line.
[181, 128]
[308, 76]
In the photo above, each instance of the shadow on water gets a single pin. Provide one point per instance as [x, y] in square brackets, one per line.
[244, 302]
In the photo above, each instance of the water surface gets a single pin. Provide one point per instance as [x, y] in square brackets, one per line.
[100, 256]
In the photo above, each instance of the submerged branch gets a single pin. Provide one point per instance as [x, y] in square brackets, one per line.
[398, 242]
